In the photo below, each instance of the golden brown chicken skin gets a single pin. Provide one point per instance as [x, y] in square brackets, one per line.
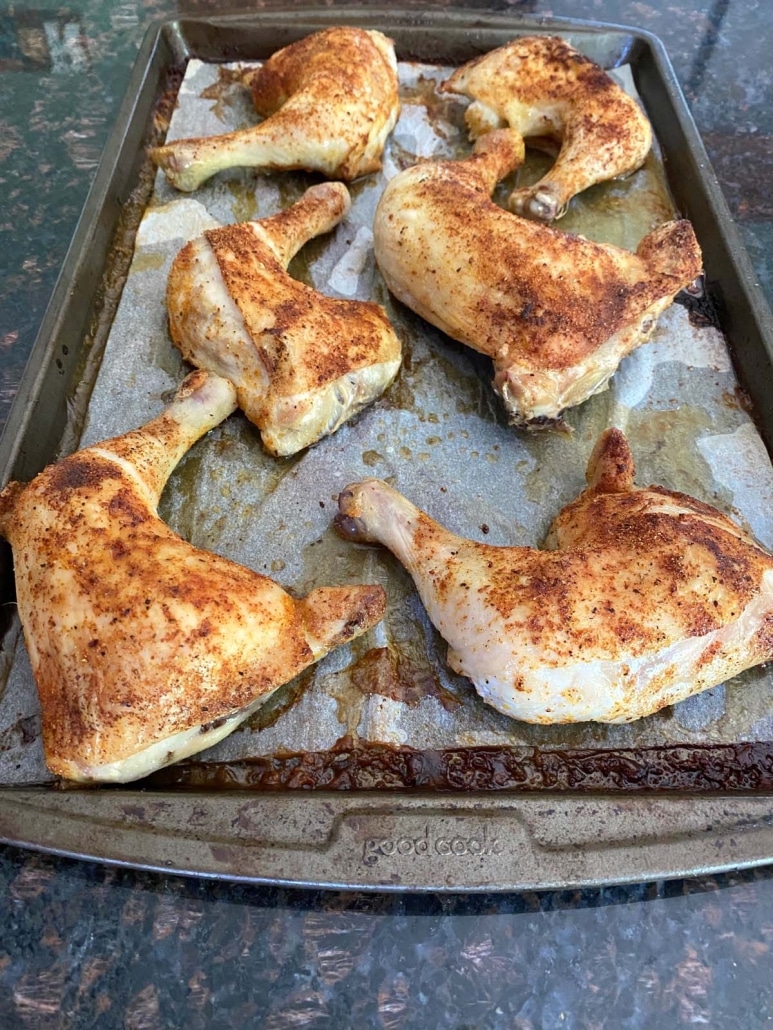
[546, 90]
[146, 649]
[329, 101]
[302, 362]
[555, 311]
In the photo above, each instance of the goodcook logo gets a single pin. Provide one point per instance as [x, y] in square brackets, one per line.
[449, 846]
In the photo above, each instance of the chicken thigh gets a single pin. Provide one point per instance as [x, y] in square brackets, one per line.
[329, 102]
[145, 649]
[555, 311]
[546, 90]
[649, 596]
[302, 363]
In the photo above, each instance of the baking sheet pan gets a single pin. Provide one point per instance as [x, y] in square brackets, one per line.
[462, 854]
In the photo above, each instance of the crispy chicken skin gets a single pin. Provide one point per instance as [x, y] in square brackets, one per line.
[302, 363]
[329, 102]
[648, 596]
[145, 649]
[556, 312]
[548, 91]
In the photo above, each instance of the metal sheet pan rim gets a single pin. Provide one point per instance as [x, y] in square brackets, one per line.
[716, 834]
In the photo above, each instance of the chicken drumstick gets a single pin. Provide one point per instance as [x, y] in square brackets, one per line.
[555, 311]
[545, 89]
[145, 649]
[302, 363]
[649, 597]
[329, 102]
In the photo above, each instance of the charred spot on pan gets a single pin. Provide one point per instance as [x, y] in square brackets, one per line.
[699, 306]
[382, 671]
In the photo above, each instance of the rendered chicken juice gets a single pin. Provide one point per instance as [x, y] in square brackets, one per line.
[438, 435]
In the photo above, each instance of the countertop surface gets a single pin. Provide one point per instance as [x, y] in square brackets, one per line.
[83, 945]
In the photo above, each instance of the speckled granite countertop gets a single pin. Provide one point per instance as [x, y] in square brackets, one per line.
[85, 946]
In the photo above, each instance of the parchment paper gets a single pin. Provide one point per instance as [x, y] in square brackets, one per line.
[439, 435]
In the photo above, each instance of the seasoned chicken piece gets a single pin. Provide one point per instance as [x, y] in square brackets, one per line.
[548, 91]
[145, 649]
[649, 597]
[302, 363]
[556, 312]
[329, 103]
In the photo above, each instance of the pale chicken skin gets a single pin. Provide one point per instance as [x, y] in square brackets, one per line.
[549, 92]
[144, 648]
[649, 596]
[302, 362]
[556, 312]
[329, 102]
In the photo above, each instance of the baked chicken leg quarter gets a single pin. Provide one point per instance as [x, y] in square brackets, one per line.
[329, 102]
[648, 597]
[556, 312]
[302, 363]
[145, 649]
[548, 91]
